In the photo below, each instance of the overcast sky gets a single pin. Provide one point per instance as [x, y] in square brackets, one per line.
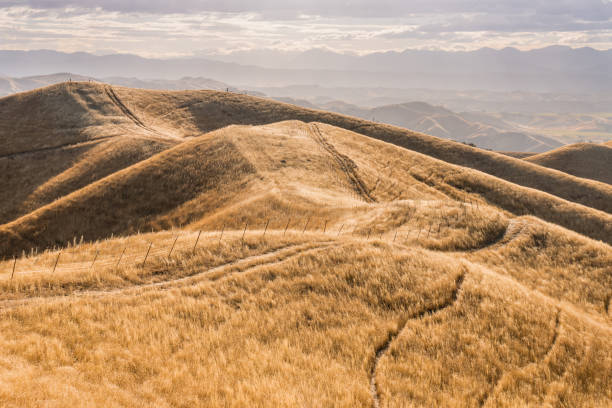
[165, 28]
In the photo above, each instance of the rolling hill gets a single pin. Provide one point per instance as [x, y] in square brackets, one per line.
[584, 160]
[171, 117]
[484, 131]
[207, 248]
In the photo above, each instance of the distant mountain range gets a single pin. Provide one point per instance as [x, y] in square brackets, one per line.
[482, 130]
[10, 85]
[552, 69]
[516, 132]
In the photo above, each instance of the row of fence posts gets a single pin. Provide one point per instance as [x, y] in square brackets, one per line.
[244, 231]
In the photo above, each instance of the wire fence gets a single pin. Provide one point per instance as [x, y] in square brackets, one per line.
[139, 249]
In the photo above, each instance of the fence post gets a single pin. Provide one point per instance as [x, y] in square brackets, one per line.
[325, 227]
[120, 257]
[94, 260]
[429, 232]
[286, 226]
[173, 244]
[266, 228]
[306, 225]
[221, 236]
[246, 224]
[196, 243]
[147, 255]
[14, 265]
[56, 261]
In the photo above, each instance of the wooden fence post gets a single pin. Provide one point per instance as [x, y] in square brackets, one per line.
[14, 265]
[246, 224]
[325, 227]
[56, 261]
[147, 255]
[221, 236]
[121, 257]
[266, 228]
[306, 225]
[94, 260]
[197, 240]
[173, 244]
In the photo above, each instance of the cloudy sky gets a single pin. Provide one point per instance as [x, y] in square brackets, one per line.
[163, 28]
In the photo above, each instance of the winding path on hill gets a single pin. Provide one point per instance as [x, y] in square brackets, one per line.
[347, 165]
[381, 350]
[59, 147]
[248, 264]
[514, 229]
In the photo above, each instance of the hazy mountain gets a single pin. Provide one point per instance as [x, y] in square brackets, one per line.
[13, 85]
[485, 131]
[457, 100]
[557, 69]
[520, 132]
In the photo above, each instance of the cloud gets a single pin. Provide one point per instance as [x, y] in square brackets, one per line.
[169, 28]
[588, 10]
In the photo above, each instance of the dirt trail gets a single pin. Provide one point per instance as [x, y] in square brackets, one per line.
[515, 228]
[58, 147]
[126, 111]
[380, 351]
[226, 270]
[347, 165]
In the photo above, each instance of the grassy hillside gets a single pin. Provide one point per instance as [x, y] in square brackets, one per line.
[586, 160]
[178, 115]
[314, 319]
[518, 155]
[209, 110]
[196, 259]
[247, 175]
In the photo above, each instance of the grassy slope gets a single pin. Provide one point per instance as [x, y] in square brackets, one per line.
[201, 111]
[298, 320]
[518, 155]
[584, 160]
[39, 178]
[59, 139]
[413, 284]
[252, 174]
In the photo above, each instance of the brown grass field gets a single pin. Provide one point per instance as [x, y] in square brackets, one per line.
[180, 249]
[586, 160]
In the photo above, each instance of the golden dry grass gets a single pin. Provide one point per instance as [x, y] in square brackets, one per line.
[297, 264]
[297, 319]
[37, 179]
[35, 120]
[586, 160]
[290, 170]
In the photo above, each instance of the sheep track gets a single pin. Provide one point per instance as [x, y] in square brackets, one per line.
[347, 165]
[381, 350]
